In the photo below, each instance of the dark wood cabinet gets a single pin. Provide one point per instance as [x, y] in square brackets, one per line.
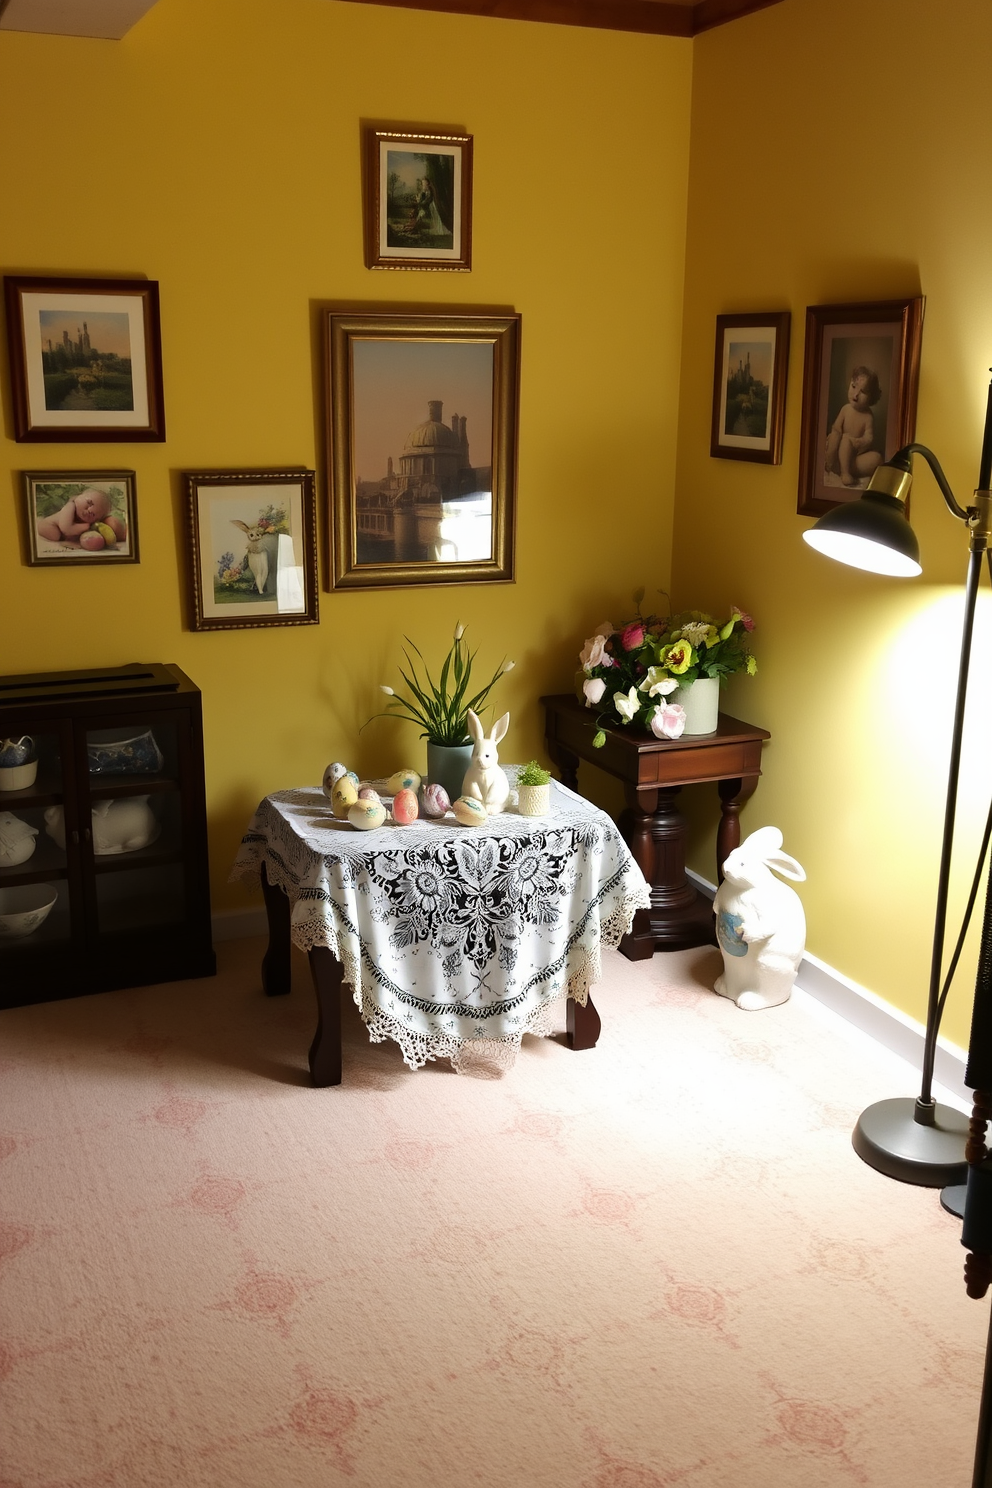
[119, 814]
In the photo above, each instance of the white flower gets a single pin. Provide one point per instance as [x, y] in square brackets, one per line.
[658, 683]
[508, 666]
[387, 690]
[593, 653]
[668, 720]
[627, 706]
[593, 687]
[459, 631]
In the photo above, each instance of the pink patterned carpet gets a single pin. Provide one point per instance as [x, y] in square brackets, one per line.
[656, 1263]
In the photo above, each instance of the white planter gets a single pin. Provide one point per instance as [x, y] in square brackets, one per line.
[534, 800]
[701, 701]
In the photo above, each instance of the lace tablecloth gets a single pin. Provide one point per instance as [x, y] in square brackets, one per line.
[449, 935]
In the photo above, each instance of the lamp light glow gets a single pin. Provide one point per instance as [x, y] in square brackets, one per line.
[862, 552]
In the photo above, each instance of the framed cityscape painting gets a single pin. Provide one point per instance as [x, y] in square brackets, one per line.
[421, 428]
[85, 359]
[252, 551]
[752, 363]
[860, 377]
[418, 201]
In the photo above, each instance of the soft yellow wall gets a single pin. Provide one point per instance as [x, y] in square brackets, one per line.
[839, 157]
[216, 149]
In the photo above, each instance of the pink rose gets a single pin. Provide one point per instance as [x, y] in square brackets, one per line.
[633, 636]
[668, 721]
[593, 687]
[593, 653]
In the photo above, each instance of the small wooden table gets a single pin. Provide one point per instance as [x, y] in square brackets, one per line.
[653, 772]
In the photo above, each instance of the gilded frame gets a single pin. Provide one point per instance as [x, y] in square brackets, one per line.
[749, 405]
[226, 590]
[400, 206]
[880, 339]
[408, 505]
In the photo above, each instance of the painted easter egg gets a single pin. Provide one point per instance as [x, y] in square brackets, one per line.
[91, 541]
[368, 793]
[332, 775]
[343, 797]
[403, 780]
[350, 775]
[367, 814]
[107, 533]
[469, 811]
[405, 808]
[434, 800]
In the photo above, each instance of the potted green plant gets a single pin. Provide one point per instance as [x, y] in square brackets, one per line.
[440, 709]
[533, 790]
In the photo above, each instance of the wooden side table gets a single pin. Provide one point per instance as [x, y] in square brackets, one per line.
[653, 772]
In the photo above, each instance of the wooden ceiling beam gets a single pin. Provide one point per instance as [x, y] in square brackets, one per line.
[654, 17]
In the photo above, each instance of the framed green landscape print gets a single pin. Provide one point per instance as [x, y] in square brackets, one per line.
[85, 359]
[752, 363]
[418, 201]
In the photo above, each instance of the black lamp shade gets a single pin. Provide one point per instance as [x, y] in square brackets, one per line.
[870, 533]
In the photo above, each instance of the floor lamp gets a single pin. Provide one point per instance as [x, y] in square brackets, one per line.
[920, 1141]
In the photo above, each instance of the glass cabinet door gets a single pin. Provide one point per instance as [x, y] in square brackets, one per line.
[34, 887]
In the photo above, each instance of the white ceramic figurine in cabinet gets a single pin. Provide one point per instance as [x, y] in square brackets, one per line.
[760, 923]
[16, 840]
[119, 826]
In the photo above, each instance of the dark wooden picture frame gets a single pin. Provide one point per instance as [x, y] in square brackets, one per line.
[67, 524]
[877, 347]
[85, 359]
[418, 201]
[418, 500]
[749, 379]
[252, 548]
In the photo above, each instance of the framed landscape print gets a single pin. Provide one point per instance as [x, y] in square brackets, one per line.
[422, 419]
[418, 201]
[860, 376]
[752, 362]
[80, 516]
[85, 359]
[252, 551]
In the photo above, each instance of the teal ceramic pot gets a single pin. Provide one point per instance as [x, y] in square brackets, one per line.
[446, 765]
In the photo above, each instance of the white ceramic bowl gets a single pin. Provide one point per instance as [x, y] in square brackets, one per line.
[18, 777]
[25, 907]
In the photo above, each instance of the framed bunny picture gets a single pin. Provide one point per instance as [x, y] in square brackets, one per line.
[252, 551]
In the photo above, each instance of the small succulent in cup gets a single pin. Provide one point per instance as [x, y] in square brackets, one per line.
[533, 774]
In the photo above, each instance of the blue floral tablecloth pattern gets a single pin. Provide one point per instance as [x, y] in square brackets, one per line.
[449, 935]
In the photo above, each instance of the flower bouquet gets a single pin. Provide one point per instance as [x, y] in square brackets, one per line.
[630, 672]
[440, 709]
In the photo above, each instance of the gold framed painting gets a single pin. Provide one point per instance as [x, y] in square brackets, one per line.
[422, 437]
[418, 200]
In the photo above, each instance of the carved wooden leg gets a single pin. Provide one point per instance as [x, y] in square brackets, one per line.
[276, 973]
[567, 762]
[325, 1051]
[680, 916]
[583, 1024]
[733, 794]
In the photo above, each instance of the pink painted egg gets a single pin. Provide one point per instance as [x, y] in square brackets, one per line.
[366, 815]
[91, 541]
[434, 800]
[368, 793]
[469, 811]
[405, 808]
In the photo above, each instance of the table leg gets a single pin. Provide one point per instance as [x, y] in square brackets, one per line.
[325, 1051]
[276, 973]
[680, 916]
[567, 762]
[733, 794]
[582, 1023]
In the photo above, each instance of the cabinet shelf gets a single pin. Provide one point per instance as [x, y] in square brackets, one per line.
[118, 786]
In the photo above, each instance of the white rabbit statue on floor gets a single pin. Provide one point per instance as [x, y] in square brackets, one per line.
[760, 923]
[484, 780]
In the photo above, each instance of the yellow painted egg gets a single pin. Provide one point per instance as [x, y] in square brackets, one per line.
[366, 815]
[403, 780]
[469, 811]
[405, 807]
[343, 797]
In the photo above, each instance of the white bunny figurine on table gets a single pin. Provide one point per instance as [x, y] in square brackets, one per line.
[760, 923]
[484, 780]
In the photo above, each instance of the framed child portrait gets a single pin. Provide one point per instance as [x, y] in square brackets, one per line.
[80, 516]
[85, 359]
[418, 201]
[752, 362]
[860, 377]
[252, 551]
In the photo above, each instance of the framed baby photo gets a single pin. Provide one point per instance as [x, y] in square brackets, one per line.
[421, 432]
[860, 378]
[80, 517]
[418, 201]
[752, 363]
[252, 552]
[85, 359]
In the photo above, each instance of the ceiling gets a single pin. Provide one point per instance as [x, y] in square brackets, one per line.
[111, 19]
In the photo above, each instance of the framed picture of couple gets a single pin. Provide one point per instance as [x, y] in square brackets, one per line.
[860, 381]
[418, 201]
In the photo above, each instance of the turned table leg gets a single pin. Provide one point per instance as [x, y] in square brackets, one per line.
[733, 794]
[325, 1051]
[276, 972]
[680, 916]
[583, 1024]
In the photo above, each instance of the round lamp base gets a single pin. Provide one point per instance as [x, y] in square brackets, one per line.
[890, 1139]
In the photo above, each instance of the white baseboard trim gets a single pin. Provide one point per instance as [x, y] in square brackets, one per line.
[893, 1029]
[236, 924]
